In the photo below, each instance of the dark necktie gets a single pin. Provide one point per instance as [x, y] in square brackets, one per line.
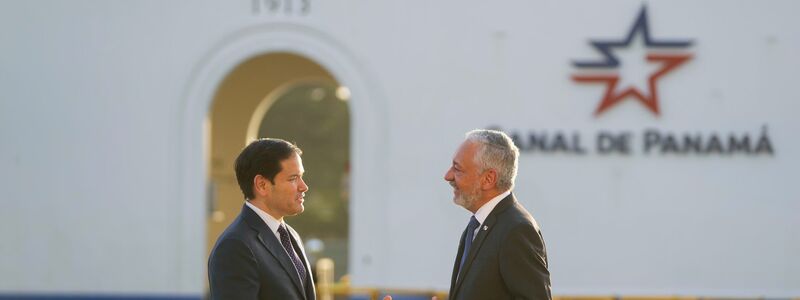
[287, 244]
[473, 224]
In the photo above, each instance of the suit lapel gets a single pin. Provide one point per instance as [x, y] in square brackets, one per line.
[458, 260]
[484, 230]
[273, 245]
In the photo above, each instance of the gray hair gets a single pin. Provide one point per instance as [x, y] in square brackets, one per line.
[496, 150]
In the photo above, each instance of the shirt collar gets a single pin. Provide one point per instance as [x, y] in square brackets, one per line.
[487, 208]
[272, 223]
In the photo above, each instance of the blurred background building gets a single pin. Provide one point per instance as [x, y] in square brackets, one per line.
[658, 138]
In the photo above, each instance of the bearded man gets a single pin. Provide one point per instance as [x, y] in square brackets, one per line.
[501, 254]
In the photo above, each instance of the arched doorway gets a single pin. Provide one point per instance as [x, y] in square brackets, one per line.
[286, 96]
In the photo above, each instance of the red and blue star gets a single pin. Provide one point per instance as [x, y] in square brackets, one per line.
[609, 65]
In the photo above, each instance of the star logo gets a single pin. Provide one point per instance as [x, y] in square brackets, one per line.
[660, 53]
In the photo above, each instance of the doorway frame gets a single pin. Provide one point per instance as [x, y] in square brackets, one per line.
[369, 131]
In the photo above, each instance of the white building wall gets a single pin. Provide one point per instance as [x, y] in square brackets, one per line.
[97, 111]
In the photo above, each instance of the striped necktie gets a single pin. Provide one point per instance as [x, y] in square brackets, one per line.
[287, 244]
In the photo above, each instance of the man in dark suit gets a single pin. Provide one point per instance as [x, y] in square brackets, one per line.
[502, 253]
[259, 256]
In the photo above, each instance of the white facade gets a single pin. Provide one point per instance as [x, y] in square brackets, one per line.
[102, 164]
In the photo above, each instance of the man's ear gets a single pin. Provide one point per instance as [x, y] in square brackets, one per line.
[261, 186]
[489, 179]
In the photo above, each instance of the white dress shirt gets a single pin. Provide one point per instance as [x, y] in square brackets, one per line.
[272, 223]
[486, 209]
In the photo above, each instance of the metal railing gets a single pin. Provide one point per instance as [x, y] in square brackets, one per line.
[327, 289]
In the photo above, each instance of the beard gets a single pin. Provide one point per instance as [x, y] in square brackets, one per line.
[467, 199]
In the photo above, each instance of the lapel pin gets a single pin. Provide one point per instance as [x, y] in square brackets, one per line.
[485, 227]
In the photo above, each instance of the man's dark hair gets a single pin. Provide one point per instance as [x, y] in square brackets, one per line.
[262, 157]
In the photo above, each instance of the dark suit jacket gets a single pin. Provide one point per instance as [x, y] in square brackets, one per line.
[249, 262]
[507, 259]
